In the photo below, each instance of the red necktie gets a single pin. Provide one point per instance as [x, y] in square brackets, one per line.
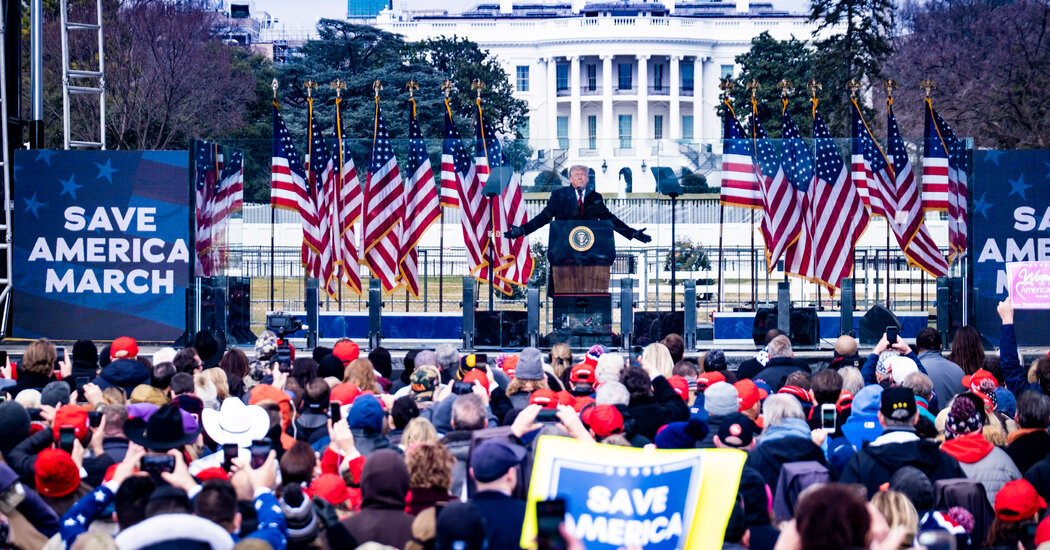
[579, 199]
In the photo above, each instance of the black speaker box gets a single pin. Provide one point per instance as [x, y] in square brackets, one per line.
[873, 324]
[653, 326]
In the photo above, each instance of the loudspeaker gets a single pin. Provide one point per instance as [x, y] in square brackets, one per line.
[501, 329]
[873, 324]
[312, 317]
[803, 326]
[765, 321]
[653, 326]
[468, 312]
[239, 305]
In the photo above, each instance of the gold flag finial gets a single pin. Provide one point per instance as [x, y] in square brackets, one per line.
[274, 86]
[412, 86]
[786, 88]
[753, 87]
[310, 86]
[853, 86]
[727, 87]
[338, 86]
[477, 85]
[376, 87]
[446, 87]
[890, 85]
[928, 85]
[814, 86]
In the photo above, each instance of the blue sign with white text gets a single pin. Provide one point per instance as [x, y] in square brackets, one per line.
[101, 244]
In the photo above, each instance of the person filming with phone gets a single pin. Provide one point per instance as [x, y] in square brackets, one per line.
[891, 361]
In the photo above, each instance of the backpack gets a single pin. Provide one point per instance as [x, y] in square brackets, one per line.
[970, 495]
[794, 478]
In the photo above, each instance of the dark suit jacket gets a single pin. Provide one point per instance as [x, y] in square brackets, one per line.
[563, 206]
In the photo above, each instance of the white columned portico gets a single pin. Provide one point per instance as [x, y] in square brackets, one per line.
[608, 138]
[699, 89]
[575, 125]
[675, 113]
[641, 136]
[552, 103]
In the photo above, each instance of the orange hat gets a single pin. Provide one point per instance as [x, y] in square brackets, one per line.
[748, 394]
[547, 398]
[680, 386]
[476, 375]
[707, 379]
[71, 415]
[124, 347]
[346, 351]
[582, 373]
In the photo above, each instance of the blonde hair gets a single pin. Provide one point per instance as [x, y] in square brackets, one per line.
[424, 529]
[898, 511]
[94, 541]
[518, 385]
[40, 357]
[211, 382]
[361, 372]
[561, 358]
[418, 431]
[659, 357]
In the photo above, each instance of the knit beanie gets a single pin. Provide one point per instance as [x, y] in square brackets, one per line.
[721, 399]
[14, 424]
[56, 474]
[54, 393]
[330, 365]
[85, 351]
[381, 362]
[299, 514]
[530, 365]
[963, 418]
[681, 435]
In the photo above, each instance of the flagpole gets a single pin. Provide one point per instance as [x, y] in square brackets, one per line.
[890, 86]
[336, 225]
[753, 86]
[725, 85]
[446, 87]
[273, 217]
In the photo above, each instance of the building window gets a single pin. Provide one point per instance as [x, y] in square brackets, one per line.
[592, 77]
[658, 127]
[563, 132]
[687, 76]
[658, 77]
[563, 77]
[592, 132]
[687, 126]
[727, 71]
[523, 127]
[625, 76]
[523, 78]
[625, 131]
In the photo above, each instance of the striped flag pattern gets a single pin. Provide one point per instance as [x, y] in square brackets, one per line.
[288, 187]
[781, 212]
[797, 162]
[384, 208]
[944, 179]
[839, 215]
[205, 175]
[423, 207]
[739, 183]
[451, 175]
[474, 215]
[348, 206]
[320, 169]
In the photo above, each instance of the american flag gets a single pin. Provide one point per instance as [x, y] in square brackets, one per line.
[513, 257]
[839, 215]
[781, 212]
[739, 183]
[205, 187]
[451, 176]
[909, 223]
[384, 208]
[218, 193]
[348, 205]
[288, 187]
[871, 172]
[474, 213]
[944, 180]
[423, 207]
[321, 171]
[797, 162]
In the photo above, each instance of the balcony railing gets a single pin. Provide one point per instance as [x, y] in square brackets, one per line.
[625, 91]
[587, 90]
[659, 90]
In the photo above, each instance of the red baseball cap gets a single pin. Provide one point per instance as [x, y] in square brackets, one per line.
[345, 393]
[680, 386]
[748, 394]
[1042, 531]
[706, 379]
[582, 402]
[566, 398]
[124, 347]
[330, 487]
[475, 374]
[547, 398]
[510, 364]
[346, 351]
[974, 381]
[1017, 500]
[604, 420]
[71, 415]
[582, 373]
[56, 474]
[214, 472]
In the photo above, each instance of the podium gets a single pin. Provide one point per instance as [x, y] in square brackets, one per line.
[581, 254]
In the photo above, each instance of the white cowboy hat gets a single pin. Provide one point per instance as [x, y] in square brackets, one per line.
[236, 422]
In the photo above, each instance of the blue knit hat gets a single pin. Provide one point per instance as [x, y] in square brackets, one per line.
[366, 414]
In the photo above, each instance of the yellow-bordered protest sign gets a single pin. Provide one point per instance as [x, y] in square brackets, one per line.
[620, 496]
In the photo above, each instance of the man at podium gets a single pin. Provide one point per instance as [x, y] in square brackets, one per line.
[576, 203]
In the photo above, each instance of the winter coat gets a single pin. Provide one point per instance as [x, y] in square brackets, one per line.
[503, 516]
[175, 531]
[124, 374]
[630, 428]
[1028, 446]
[458, 443]
[983, 462]
[875, 464]
[786, 442]
[29, 381]
[33, 507]
[1014, 374]
[382, 519]
[421, 499]
[946, 375]
[663, 407]
[778, 369]
[714, 423]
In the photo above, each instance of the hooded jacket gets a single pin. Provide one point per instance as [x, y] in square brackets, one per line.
[778, 369]
[384, 485]
[983, 462]
[786, 442]
[124, 374]
[630, 428]
[1028, 446]
[662, 407]
[263, 392]
[875, 464]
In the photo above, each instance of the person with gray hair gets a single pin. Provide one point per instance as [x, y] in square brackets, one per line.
[781, 363]
[469, 414]
[1031, 443]
[785, 439]
[852, 381]
[610, 365]
[448, 361]
[612, 393]
[576, 202]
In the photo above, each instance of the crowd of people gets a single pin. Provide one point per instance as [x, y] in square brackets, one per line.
[205, 447]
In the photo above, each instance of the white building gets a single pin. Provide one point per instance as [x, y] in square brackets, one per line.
[618, 86]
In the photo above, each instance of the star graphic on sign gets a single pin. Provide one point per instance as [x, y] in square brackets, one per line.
[1018, 187]
[45, 155]
[981, 206]
[1048, 168]
[992, 156]
[32, 205]
[106, 170]
[70, 186]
